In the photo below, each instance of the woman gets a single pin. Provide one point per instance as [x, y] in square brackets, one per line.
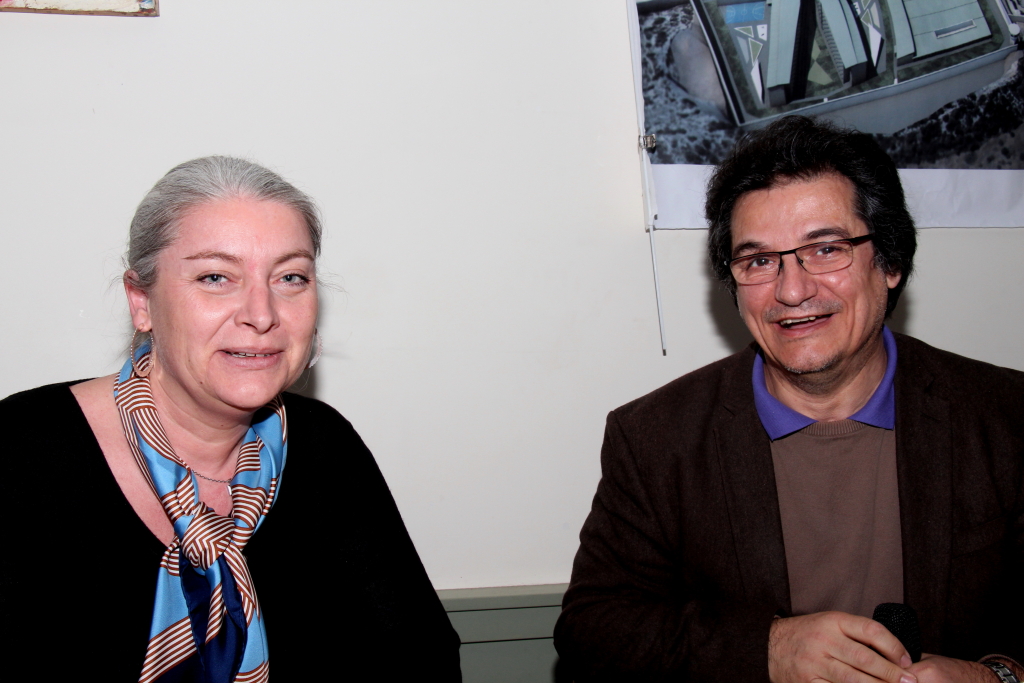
[157, 533]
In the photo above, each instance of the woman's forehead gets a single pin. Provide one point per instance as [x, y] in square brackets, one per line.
[242, 227]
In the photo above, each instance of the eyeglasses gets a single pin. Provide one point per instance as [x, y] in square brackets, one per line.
[817, 258]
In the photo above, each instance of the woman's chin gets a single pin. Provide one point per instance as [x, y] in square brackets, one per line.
[250, 396]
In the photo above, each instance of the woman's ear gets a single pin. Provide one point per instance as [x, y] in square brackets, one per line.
[138, 302]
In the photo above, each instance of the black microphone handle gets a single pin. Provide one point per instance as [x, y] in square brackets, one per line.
[901, 620]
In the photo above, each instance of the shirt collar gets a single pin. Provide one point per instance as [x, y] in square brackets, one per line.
[780, 420]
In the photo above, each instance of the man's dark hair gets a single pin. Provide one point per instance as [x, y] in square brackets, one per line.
[795, 148]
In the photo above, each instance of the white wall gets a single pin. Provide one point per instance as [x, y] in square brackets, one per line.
[477, 169]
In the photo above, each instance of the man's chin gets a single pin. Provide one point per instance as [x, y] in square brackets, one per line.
[802, 371]
[807, 368]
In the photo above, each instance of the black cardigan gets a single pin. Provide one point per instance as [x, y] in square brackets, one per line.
[78, 570]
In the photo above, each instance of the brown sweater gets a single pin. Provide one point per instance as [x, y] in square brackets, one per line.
[839, 504]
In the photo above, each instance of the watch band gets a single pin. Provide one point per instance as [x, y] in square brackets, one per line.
[1001, 670]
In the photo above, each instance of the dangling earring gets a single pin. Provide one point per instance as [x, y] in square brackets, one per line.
[319, 349]
[141, 371]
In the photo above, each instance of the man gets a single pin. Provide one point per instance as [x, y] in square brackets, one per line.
[752, 513]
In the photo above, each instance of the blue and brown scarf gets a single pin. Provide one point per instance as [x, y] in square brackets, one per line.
[207, 625]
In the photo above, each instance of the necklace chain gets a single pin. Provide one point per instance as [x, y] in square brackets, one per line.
[203, 476]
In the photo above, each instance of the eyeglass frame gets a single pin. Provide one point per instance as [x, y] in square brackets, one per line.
[854, 241]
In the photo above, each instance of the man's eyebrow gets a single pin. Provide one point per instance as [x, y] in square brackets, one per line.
[753, 247]
[834, 231]
[749, 246]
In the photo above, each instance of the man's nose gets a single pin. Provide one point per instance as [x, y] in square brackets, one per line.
[794, 285]
[258, 308]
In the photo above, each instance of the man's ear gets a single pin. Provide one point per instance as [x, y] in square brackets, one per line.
[893, 279]
[138, 302]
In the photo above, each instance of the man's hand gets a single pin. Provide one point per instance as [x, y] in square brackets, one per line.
[936, 669]
[835, 647]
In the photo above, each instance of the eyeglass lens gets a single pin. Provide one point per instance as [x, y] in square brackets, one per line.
[822, 257]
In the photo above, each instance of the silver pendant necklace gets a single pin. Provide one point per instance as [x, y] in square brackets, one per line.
[226, 482]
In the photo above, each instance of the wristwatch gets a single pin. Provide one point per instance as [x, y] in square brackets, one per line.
[1001, 670]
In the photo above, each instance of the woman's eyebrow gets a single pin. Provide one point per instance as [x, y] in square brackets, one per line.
[231, 258]
[298, 253]
[213, 256]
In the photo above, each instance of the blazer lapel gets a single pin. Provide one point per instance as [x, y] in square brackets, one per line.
[924, 472]
[749, 481]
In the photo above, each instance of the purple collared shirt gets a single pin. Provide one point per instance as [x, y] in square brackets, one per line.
[780, 420]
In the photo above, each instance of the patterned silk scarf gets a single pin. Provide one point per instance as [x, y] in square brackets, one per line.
[207, 624]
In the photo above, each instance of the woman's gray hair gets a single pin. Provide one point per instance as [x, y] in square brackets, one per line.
[188, 185]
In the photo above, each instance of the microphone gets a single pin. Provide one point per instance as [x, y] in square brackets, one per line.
[901, 620]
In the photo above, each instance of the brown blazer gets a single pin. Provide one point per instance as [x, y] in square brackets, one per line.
[681, 565]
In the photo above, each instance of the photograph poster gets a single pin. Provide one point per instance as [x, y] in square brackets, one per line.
[938, 83]
[136, 8]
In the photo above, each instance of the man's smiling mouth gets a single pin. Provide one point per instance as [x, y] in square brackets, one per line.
[790, 322]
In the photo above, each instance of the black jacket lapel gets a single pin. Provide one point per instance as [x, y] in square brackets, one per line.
[745, 454]
[924, 471]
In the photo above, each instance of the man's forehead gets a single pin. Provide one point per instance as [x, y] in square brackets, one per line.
[795, 212]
